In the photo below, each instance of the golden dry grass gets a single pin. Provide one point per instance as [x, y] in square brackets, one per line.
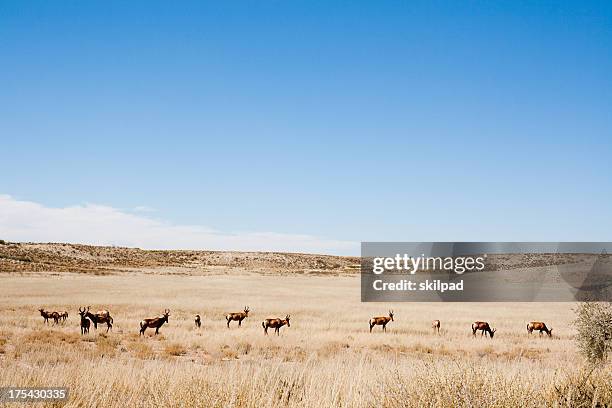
[326, 358]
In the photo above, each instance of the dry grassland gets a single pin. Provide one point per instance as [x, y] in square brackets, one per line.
[326, 358]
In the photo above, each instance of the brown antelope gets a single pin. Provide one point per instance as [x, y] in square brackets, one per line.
[49, 315]
[101, 316]
[239, 317]
[539, 326]
[64, 316]
[85, 323]
[483, 327]
[276, 324]
[435, 325]
[198, 322]
[381, 321]
[156, 322]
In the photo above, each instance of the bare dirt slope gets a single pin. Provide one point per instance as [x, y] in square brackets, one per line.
[59, 257]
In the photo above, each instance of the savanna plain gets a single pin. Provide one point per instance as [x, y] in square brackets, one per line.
[326, 358]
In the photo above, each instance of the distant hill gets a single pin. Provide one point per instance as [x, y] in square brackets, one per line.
[103, 260]
[61, 257]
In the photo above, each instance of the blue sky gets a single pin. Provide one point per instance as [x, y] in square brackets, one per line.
[348, 121]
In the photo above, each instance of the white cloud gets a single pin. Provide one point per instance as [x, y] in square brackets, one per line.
[103, 225]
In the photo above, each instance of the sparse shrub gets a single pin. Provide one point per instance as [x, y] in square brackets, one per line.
[141, 350]
[420, 348]
[296, 353]
[50, 337]
[332, 348]
[175, 349]
[530, 353]
[594, 325]
[227, 352]
[106, 345]
[18, 258]
[2, 242]
[244, 347]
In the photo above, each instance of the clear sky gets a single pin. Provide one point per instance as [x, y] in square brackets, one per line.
[339, 121]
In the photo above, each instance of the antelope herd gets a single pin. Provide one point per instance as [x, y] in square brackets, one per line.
[103, 316]
[49, 315]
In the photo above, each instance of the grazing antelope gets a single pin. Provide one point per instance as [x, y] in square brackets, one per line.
[435, 325]
[101, 316]
[381, 321]
[539, 326]
[49, 315]
[239, 317]
[64, 316]
[85, 323]
[156, 322]
[276, 324]
[198, 323]
[483, 327]
[45, 315]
